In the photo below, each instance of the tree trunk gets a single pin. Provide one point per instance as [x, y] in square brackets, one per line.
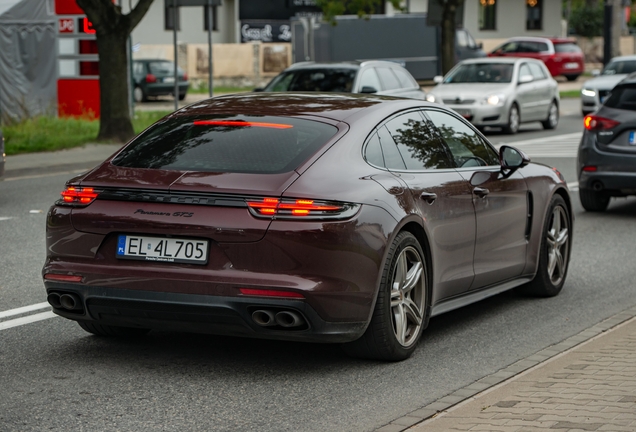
[448, 36]
[115, 123]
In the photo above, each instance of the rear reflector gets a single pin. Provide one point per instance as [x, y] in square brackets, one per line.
[78, 196]
[300, 208]
[270, 293]
[62, 278]
[590, 168]
[238, 123]
[593, 123]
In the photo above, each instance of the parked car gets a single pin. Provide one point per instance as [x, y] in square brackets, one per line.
[596, 90]
[155, 77]
[308, 217]
[562, 56]
[607, 153]
[500, 92]
[3, 156]
[378, 77]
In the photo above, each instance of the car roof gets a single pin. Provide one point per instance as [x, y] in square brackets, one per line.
[499, 60]
[355, 64]
[623, 58]
[553, 39]
[335, 106]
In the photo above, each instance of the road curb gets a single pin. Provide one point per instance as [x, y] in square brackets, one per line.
[509, 373]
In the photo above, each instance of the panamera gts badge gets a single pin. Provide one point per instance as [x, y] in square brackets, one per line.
[177, 214]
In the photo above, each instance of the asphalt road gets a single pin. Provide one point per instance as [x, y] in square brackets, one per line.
[54, 376]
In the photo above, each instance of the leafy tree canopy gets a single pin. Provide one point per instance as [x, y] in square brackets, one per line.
[363, 8]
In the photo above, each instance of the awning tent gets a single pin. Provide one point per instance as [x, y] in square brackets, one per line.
[28, 71]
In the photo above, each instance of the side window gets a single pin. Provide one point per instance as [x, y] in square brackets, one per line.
[466, 146]
[392, 158]
[524, 70]
[388, 79]
[536, 71]
[369, 79]
[373, 151]
[405, 79]
[138, 68]
[418, 142]
[462, 39]
[510, 47]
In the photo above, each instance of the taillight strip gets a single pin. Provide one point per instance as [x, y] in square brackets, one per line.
[305, 208]
[78, 196]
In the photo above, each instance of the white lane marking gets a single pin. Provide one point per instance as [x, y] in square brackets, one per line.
[3, 218]
[24, 309]
[26, 320]
[573, 186]
[553, 138]
[35, 211]
[45, 175]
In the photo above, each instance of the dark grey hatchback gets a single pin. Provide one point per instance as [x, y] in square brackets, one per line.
[607, 153]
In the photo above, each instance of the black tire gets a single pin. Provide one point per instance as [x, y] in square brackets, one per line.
[555, 246]
[182, 96]
[139, 95]
[405, 262]
[112, 331]
[593, 201]
[513, 125]
[571, 77]
[552, 120]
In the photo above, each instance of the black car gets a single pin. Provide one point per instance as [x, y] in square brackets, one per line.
[378, 77]
[155, 77]
[607, 153]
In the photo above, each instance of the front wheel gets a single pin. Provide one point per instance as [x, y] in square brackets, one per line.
[513, 120]
[553, 117]
[400, 310]
[554, 252]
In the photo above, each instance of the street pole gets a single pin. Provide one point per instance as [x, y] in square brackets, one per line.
[607, 32]
[176, 54]
[210, 28]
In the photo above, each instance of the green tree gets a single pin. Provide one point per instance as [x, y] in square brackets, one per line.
[363, 8]
[112, 28]
[587, 21]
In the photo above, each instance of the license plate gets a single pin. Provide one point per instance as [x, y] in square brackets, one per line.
[571, 65]
[632, 138]
[464, 112]
[168, 80]
[159, 249]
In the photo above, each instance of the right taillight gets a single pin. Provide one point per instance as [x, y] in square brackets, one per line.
[594, 123]
[150, 78]
[300, 209]
[77, 196]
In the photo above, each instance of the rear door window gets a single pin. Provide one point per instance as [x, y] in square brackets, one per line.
[258, 145]
[622, 97]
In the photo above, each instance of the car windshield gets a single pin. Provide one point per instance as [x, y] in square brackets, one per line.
[620, 67]
[481, 73]
[309, 80]
[256, 145]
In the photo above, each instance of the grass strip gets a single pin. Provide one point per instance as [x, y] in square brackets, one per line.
[570, 94]
[42, 134]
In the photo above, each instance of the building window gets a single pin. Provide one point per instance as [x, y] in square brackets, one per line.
[170, 16]
[487, 14]
[534, 14]
[215, 19]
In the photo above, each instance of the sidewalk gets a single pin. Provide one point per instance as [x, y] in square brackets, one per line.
[585, 383]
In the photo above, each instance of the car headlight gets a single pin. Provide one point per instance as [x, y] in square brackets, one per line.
[497, 99]
[588, 92]
[430, 98]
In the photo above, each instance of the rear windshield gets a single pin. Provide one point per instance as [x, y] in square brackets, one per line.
[163, 68]
[310, 80]
[622, 97]
[239, 144]
[567, 48]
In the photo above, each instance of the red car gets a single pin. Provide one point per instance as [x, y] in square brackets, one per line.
[562, 56]
[304, 216]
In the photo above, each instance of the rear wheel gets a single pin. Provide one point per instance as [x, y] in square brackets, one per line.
[513, 120]
[139, 95]
[554, 252]
[400, 310]
[553, 117]
[115, 331]
[593, 201]
[182, 96]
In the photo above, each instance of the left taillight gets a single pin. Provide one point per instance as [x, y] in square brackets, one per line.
[78, 196]
[301, 209]
[596, 123]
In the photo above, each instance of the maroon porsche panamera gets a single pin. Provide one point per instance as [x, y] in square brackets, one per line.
[310, 217]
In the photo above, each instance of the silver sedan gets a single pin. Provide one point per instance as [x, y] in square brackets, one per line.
[596, 90]
[501, 92]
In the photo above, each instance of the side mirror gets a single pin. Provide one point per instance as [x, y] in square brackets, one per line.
[259, 89]
[596, 72]
[368, 89]
[480, 45]
[524, 79]
[438, 79]
[512, 158]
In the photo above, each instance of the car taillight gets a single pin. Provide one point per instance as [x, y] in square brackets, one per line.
[594, 123]
[270, 293]
[78, 196]
[150, 78]
[185, 77]
[301, 209]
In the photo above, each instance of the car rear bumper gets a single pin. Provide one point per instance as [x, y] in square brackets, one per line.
[231, 316]
[615, 172]
[160, 89]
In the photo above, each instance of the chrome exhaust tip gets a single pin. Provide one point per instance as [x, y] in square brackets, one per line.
[54, 300]
[70, 302]
[264, 318]
[289, 319]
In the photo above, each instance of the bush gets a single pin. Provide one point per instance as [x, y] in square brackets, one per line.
[587, 22]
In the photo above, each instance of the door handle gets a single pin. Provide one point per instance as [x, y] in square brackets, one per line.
[481, 192]
[429, 197]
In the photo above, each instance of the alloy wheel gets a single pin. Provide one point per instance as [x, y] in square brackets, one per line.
[553, 117]
[513, 119]
[558, 243]
[408, 293]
